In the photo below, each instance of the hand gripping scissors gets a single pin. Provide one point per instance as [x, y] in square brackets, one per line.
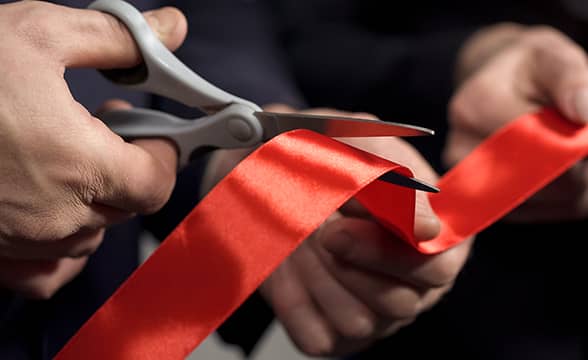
[230, 122]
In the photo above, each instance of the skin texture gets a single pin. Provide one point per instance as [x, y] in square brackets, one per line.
[352, 282]
[505, 71]
[64, 176]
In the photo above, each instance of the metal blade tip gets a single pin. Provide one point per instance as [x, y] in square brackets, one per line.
[410, 182]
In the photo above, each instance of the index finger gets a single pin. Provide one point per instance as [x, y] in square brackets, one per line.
[368, 246]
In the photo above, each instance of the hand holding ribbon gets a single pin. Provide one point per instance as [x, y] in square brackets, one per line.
[507, 70]
[353, 281]
[199, 283]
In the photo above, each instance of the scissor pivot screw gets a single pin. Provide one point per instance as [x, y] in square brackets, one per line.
[240, 129]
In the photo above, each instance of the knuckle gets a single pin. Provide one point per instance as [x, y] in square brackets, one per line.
[541, 34]
[36, 25]
[551, 47]
[560, 56]
[118, 30]
[84, 182]
[35, 228]
[40, 229]
[472, 107]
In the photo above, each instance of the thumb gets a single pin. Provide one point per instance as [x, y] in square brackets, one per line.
[99, 40]
[160, 148]
[426, 223]
[142, 173]
[561, 70]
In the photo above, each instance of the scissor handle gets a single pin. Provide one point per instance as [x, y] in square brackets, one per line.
[232, 127]
[166, 75]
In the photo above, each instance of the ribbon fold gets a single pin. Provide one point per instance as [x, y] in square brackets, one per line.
[255, 217]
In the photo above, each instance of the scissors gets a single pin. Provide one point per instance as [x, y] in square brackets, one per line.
[230, 121]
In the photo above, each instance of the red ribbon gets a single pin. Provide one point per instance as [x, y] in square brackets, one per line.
[247, 225]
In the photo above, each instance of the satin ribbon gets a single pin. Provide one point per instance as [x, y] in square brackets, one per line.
[255, 217]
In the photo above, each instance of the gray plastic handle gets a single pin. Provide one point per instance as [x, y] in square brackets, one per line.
[166, 75]
[230, 128]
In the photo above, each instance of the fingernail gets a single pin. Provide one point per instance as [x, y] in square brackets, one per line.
[163, 21]
[581, 104]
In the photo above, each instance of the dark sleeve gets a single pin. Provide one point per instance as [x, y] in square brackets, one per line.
[362, 55]
[234, 44]
[406, 78]
[372, 56]
[346, 66]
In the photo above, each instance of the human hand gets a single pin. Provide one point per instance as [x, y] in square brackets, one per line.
[508, 70]
[64, 176]
[353, 282]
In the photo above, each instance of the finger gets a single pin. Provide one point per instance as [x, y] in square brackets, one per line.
[560, 68]
[113, 104]
[433, 296]
[370, 247]
[460, 143]
[279, 108]
[338, 113]
[426, 223]
[565, 198]
[161, 148]
[91, 38]
[388, 297]
[486, 102]
[347, 315]
[136, 176]
[82, 243]
[38, 279]
[283, 108]
[294, 307]
[364, 115]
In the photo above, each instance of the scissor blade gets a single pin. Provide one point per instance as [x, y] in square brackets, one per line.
[401, 180]
[335, 126]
